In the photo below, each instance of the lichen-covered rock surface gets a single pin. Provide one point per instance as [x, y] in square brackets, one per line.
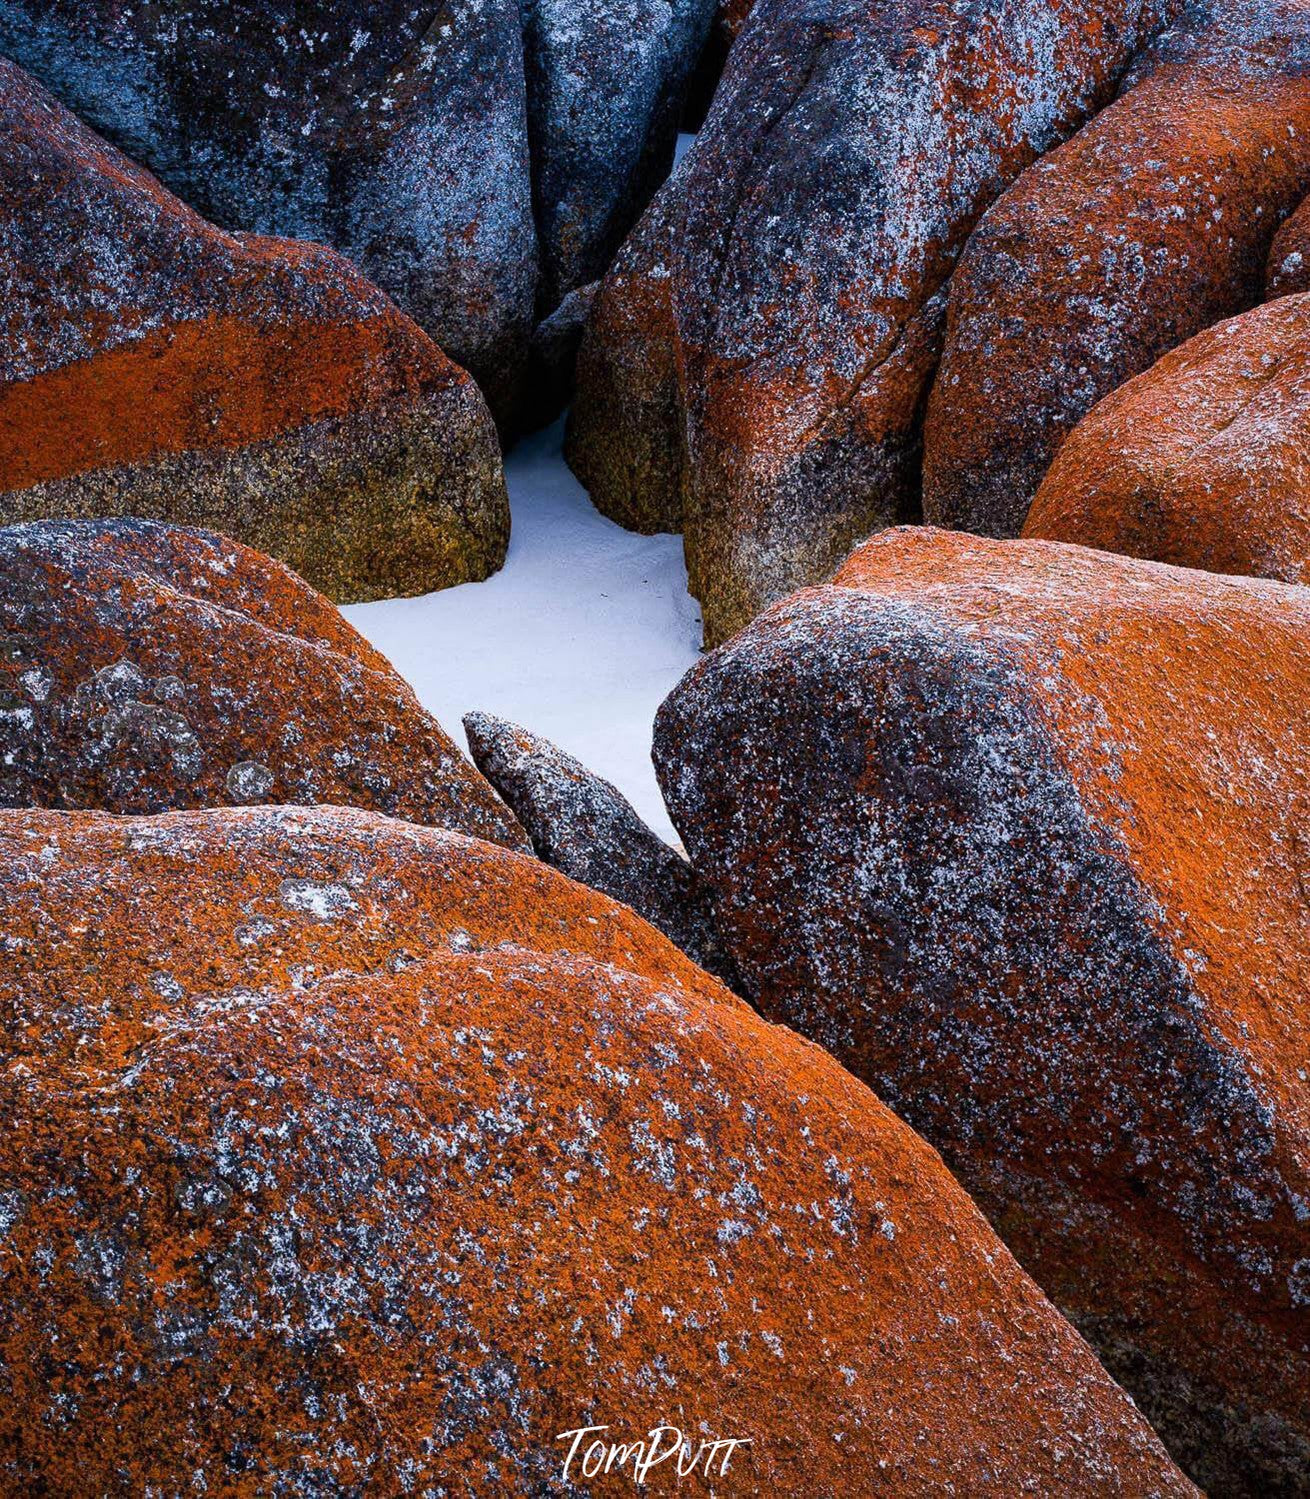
[1019, 832]
[757, 362]
[145, 667]
[606, 81]
[1152, 223]
[588, 829]
[1288, 270]
[395, 130]
[1202, 461]
[343, 1155]
[151, 364]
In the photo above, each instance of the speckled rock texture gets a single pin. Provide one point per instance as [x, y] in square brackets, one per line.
[1152, 223]
[606, 82]
[151, 364]
[583, 826]
[730, 16]
[1019, 832]
[395, 130]
[758, 359]
[1203, 461]
[144, 667]
[1288, 270]
[343, 1155]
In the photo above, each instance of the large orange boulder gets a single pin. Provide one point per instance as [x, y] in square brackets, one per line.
[1202, 461]
[151, 364]
[1149, 225]
[1018, 831]
[394, 130]
[144, 667]
[344, 1155]
[757, 361]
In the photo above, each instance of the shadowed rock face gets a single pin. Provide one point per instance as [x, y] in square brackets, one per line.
[144, 667]
[1017, 830]
[586, 828]
[394, 130]
[757, 361]
[155, 365]
[606, 81]
[1151, 224]
[1289, 256]
[552, 358]
[729, 18]
[1202, 461]
[431, 1154]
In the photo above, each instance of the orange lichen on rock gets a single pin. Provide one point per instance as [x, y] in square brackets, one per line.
[1152, 223]
[146, 667]
[339, 1150]
[757, 362]
[394, 130]
[1203, 460]
[1289, 256]
[155, 364]
[1017, 830]
[220, 382]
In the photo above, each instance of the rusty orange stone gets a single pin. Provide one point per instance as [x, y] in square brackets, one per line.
[1289, 256]
[393, 130]
[757, 361]
[1019, 831]
[1201, 461]
[341, 1152]
[1149, 225]
[152, 364]
[146, 667]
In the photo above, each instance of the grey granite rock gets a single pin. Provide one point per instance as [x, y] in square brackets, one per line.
[586, 828]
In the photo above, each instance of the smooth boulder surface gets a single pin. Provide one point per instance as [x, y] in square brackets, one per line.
[606, 82]
[583, 826]
[756, 364]
[1202, 461]
[340, 1152]
[151, 364]
[1018, 831]
[145, 667]
[395, 130]
[1151, 224]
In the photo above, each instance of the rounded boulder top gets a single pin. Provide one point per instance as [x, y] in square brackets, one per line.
[1017, 830]
[145, 667]
[338, 1148]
